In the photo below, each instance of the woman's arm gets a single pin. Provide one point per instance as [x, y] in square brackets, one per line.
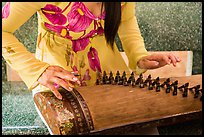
[31, 70]
[139, 59]
[129, 33]
[14, 15]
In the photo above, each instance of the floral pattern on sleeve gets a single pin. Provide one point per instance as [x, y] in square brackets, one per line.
[6, 10]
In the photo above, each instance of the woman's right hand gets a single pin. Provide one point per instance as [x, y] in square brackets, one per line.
[57, 75]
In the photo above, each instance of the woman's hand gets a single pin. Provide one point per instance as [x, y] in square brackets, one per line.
[157, 60]
[55, 75]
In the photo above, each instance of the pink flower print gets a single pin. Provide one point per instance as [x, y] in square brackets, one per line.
[93, 33]
[89, 35]
[54, 14]
[77, 20]
[6, 10]
[80, 44]
[60, 30]
[100, 31]
[74, 68]
[87, 75]
[94, 62]
[85, 78]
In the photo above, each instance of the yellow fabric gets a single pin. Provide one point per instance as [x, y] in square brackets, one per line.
[52, 49]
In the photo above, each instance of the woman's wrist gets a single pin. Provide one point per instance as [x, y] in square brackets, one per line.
[139, 69]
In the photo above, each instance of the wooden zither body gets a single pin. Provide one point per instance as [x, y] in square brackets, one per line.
[104, 106]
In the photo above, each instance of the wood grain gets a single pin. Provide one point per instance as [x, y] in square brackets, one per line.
[116, 105]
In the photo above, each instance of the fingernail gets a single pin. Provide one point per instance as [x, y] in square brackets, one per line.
[59, 97]
[74, 73]
[75, 79]
[168, 63]
[156, 63]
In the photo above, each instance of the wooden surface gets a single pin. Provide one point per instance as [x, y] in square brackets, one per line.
[104, 107]
[116, 105]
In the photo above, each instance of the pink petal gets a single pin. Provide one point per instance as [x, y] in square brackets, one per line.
[90, 34]
[100, 30]
[51, 27]
[77, 22]
[94, 62]
[80, 44]
[86, 75]
[57, 29]
[91, 63]
[50, 7]
[6, 10]
[57, 17]
[74, 68]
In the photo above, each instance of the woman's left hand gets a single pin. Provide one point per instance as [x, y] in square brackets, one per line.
[157, 60]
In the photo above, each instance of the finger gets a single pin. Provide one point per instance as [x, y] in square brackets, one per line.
[159, 57]
[54, 91]
[75, 73]
[63, 74]
[65, 84]
[150, 64]
[166, 59]
[60, 69]
[173, 59]
[70, 83]
[177, 59]
[68, 76]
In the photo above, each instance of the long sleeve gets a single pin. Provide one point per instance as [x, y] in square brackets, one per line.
[15, 14]
[129, 33]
